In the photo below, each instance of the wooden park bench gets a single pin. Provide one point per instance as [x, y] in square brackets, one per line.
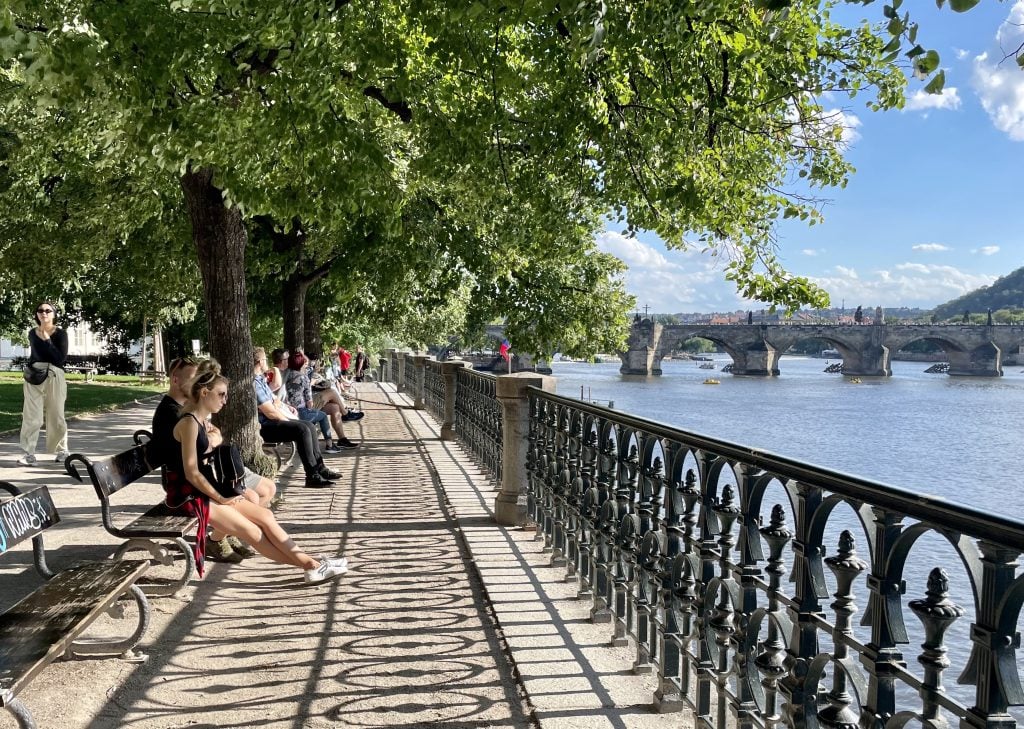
[156, 529]
[48, 623]
[89, 369]
[153, 377]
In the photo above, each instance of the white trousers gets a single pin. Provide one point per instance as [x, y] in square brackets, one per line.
[45, 401]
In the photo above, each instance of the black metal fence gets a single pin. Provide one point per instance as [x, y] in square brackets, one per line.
[736, 572]
[478, 423]
[717, 561]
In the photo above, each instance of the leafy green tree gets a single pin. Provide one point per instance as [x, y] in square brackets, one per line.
[517, 124]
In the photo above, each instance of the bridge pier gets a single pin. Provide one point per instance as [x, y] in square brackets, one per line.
[757, 359]
[983, 361]
[643, 355]
[872, 361]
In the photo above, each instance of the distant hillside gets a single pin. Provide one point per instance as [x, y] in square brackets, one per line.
[1006, 293]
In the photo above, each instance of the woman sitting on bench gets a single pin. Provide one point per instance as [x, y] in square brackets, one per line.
[189, 490]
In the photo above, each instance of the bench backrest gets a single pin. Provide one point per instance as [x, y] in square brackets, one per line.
[24, 515]
[110, 475]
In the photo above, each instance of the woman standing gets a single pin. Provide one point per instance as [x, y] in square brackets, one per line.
[49, 350]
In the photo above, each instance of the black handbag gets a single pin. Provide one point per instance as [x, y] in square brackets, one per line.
[34, 376]
[225, 470]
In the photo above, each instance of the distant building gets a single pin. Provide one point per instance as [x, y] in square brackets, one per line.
[81, 341]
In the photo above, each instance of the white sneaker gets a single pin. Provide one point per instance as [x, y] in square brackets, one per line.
[326, 571]
[27, 460]
[61, 455]
[341, 562]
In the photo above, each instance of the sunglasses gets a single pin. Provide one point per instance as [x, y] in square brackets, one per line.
[44, 311]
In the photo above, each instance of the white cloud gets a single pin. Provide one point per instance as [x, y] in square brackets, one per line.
[921, 100]
[929, 248]
[1000, 84]
[811, 251]
[672, 281]
[986, 250]
[905, 284]
[961, 54]
[848, 121]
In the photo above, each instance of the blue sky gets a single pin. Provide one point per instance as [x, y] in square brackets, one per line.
[935, 207]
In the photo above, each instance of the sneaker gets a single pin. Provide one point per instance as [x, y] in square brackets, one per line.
[352, 415]
[328, 473]
[326, 571]
[332, 448]
[346, 443]
[240, 547]
[27, 460]
[318, 481]
[221, 552]
[60, 456]
[340, 562]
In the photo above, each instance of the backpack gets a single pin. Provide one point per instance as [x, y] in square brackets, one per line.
[225, 470]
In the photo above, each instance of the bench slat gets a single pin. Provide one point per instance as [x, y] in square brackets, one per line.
[159, 522]
[39, 628]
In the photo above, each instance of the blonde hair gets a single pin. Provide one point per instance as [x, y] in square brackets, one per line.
[207, 375]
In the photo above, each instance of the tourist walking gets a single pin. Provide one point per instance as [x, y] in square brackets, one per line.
[362, 364]
[45, 396]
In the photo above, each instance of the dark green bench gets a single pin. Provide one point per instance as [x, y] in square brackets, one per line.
[48, 623]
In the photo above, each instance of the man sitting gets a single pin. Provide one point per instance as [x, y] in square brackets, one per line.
[259, 490]
[279, 424]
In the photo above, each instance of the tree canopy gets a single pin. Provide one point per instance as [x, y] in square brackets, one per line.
[424, 151]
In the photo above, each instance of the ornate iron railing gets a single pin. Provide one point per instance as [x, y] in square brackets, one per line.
[684, 544]
[478, 421]
[409, 384]
[433, 389]
[393, 368]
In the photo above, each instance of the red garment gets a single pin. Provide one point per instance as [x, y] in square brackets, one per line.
[184, 498]
[344, 359]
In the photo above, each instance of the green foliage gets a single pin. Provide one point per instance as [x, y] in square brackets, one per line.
[446, 165]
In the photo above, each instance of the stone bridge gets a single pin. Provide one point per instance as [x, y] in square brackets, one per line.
[972, 350]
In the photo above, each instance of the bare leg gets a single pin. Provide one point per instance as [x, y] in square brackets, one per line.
[264, 492]
[258, 527]
[334, 412]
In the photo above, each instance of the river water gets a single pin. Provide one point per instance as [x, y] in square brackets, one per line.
[958, 438]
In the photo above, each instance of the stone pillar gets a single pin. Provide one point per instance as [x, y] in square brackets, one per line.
[400, 374]
[419, 361]
[450, 373]
[983, 361]
[386, 375]
[756, 359]
[872, 361]
[642, 347]
[510, 504]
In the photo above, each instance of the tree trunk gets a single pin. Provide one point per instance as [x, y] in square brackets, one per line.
[220, 239]
[311, 325]
[293, 299]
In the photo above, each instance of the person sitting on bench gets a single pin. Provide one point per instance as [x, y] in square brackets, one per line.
[279, 423]
[189, 490]
[259, 490]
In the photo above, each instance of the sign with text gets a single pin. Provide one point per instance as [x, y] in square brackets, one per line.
[23, 517]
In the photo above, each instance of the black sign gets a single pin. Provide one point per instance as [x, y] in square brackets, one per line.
[25, 516]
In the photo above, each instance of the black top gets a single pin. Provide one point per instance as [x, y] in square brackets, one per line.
[54, 350]
[175, 462]
[163, 444]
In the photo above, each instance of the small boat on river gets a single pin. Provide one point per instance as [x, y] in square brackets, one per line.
[712, 381]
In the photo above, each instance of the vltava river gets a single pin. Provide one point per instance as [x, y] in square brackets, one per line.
[956, 437]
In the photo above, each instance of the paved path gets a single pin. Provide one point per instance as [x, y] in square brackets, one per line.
[445, 620]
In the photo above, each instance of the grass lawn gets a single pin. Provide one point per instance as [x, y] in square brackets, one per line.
[103, 394]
